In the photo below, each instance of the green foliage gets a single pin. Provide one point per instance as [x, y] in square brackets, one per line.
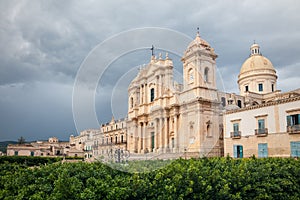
[29, 160]
[207, 178]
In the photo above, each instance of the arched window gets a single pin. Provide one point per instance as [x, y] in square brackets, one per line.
[116, 139]
[152, 96]
[239, 103]
[191, 75]
[223, 101]
[206, 74]
[208, 128]
[131, 102]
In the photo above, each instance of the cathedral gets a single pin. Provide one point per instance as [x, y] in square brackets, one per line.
[166, 117]
[170, 120]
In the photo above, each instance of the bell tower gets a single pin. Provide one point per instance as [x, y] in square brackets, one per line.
[199, 68]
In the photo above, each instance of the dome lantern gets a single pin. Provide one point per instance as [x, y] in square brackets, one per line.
[255, 49]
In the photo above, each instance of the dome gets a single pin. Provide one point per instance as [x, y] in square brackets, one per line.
[257, 74]
[256, 62]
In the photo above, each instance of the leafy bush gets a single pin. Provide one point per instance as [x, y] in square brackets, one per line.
[29, 160]
[208, 178]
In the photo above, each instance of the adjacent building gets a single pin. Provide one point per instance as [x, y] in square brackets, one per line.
[269, 125]
[51, 147]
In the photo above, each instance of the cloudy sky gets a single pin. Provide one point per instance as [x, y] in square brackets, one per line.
[44, 44]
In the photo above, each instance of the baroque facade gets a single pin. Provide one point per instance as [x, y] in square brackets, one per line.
[166, 117]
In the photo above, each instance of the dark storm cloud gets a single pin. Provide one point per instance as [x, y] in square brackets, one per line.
[43, 44]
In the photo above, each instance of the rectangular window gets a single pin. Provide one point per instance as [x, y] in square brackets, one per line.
[272, 87]
[293, 123]
[32, 153]
[263, 150]
[16, 153]
[246, 88]
[238, 151]
[261, 124]
[295, 149]
[260, 87]
[293, 120]
[236, 129]
[152, 94]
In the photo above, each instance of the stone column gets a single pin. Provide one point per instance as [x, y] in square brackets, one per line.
[161, 133]
[136, 136]
[175, 133]
[141, 94]
[166, 135]
[161, 85]
[150, 140]
[144, 138]
[139, 137]
[145, 93]
[157, 87]
[156, 141]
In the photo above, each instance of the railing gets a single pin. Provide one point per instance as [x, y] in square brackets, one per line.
[293, 129]
[235, 134]
[109, 144]
[261, 132]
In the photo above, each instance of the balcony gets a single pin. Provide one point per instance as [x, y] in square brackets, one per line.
[235, 135]
[262, 132]
[293, 129]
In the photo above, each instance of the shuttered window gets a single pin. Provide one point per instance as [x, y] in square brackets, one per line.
[238, 151]
[295, 149]
[263, 150]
